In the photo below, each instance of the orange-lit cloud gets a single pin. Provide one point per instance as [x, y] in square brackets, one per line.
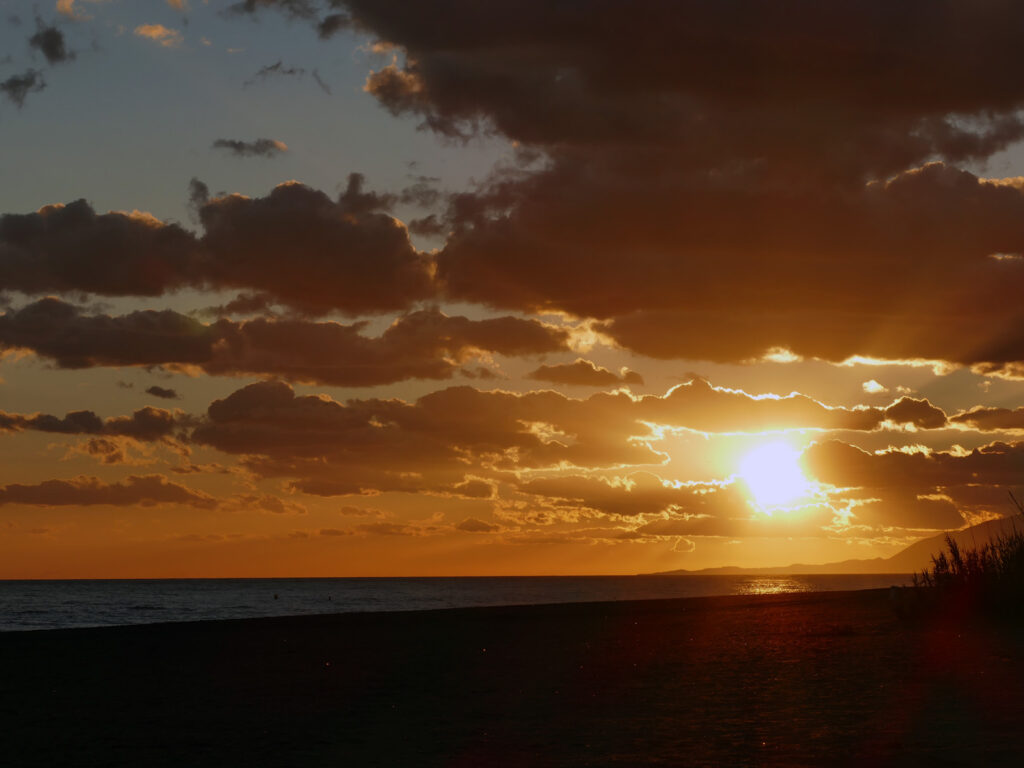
[67, 9]
[636, 494]
[843, 465]
[462, 442]
[158, 33]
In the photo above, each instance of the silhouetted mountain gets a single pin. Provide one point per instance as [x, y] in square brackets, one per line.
[914, 558]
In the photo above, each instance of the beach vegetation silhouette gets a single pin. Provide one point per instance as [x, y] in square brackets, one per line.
[986, 577]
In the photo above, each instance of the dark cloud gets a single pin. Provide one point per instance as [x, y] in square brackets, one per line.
[146, 424]
[799, 80]
[145, 490]
[278, 69]
[70, 248]
[923, 472]
[917, 413]
[333, 448]
[198, 194]
[243, 304]
[313, 253]
[781, 203]
[296, 244]
[422, 193]
[473, 489]
[59, 331]
[50, 42]
[428, 225]
[774, 203]
[425, 345]
[255, 148]
[303, 9]
[332, 24]
[683, 273]
[583, 373]
[163, 393]
[473, 525]
[17, 87]
[991, 419]
[106, 450]
[422, 345]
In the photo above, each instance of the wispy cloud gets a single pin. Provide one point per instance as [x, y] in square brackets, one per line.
[256, 148]
[277, 69]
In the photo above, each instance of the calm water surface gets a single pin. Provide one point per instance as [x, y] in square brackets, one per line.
[28, 605]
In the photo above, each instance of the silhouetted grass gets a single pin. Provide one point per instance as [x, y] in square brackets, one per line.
[988, 577]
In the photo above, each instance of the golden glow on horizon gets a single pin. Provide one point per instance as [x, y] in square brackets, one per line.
[773, 475]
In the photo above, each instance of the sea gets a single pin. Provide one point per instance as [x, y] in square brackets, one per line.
[42, 605]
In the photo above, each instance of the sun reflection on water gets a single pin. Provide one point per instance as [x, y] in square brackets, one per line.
[772, 585]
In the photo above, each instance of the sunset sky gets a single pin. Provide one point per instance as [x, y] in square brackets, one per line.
[471, 287]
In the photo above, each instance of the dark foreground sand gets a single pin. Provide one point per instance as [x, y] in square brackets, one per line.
[820, 679]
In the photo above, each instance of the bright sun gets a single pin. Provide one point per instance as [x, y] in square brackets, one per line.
[772, 473]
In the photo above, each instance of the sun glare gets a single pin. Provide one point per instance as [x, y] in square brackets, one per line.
[773, 475]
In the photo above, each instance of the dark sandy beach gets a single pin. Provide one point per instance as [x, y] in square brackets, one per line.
[810, 679]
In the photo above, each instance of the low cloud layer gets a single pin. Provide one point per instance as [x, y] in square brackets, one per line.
[144, 491]
[146, 424]
[422, 345]
[334, 448]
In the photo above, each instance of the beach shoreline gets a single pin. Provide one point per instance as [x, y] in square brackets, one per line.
[789, 679]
